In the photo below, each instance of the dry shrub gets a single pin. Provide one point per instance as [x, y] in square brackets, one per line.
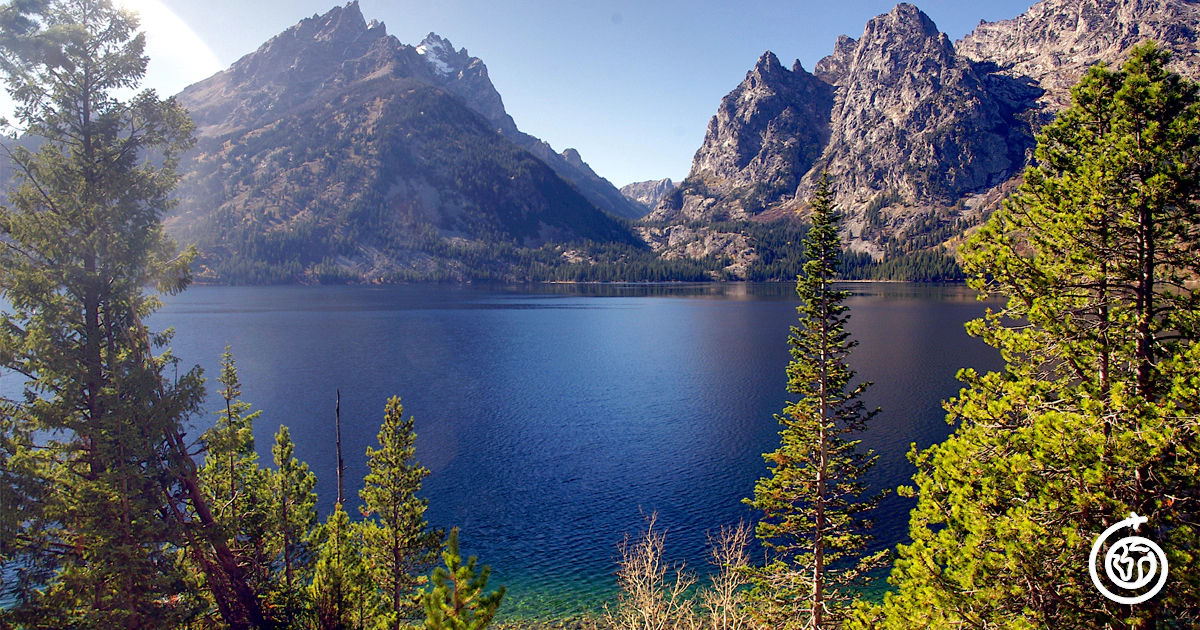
[651, 600]
[725, 602]
[648, 600]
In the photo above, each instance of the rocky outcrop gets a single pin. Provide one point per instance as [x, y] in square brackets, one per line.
[905, 127]
[1054, 42]
[914, 124]
[336, 149]
[765, 136]
[648, 193]
[676, 242]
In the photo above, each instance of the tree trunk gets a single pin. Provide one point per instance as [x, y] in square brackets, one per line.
[822, 438]
[185, 471]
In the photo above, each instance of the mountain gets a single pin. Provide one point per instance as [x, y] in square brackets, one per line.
[912, 135]
[466, 77]
[916, 130]
[765, 136]
[1055, 41]
[334, 151]
[648, 193]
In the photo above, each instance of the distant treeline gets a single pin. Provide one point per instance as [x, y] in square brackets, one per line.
[432, 258]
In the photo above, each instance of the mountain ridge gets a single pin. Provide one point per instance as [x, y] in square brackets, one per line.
[335, 152]
[925, 136]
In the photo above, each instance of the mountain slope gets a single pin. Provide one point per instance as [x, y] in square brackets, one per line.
[1055, 41]
[332, 150]
[467, 77]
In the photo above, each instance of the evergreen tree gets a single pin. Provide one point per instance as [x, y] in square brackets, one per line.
[234, 484]
[99, 430]
[1095, 413]
[814, 501]
[293, 525]
[399, 547]
[457, 600]
[340, 591]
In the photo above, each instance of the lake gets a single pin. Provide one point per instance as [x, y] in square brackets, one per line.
[553, 418]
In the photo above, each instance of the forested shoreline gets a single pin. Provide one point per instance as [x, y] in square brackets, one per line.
[111, 516]
[778, 259]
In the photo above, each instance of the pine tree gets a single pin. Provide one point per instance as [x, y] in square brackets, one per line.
[457, 600]
[99, 430]
[1096, 412]
[814, 501]
[234, 484]
[400, 548]
[340, 591]
[293, 525]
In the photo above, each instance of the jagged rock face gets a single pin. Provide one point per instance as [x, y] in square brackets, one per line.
[466, 77]
[914, 123]
[767, 133]
[904, 126]
[366, 162]
[285, 72]
[648, 193]
[1056, 40]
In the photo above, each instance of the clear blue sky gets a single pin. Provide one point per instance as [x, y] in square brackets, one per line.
[631, 85]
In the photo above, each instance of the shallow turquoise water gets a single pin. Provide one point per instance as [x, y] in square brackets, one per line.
[554, 417]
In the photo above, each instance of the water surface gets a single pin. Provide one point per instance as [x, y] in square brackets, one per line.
[553, 418]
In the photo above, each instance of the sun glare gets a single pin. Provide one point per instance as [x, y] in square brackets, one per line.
[178, 57]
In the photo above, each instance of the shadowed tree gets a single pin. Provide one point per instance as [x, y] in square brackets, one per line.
[293, 524]
[80, 240]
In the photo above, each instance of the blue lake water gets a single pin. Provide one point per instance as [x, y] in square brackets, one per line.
[554, 417]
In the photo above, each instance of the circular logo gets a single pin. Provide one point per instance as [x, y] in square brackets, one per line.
[1130, 564]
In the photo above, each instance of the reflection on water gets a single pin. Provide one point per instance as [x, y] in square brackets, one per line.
[553, 417]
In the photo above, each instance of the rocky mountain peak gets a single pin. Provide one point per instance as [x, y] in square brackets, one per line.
[768, 64]
[903, 19]
[1054, 42]
[573, 158]
[286, 70]
[904, 126]
[648, 193]
[338, 24]
[898, 43]
[915, 127]
[765, 136]
[442, 56]
[833, 68]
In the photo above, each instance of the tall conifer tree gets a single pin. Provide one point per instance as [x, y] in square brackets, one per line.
[814, 501]
[400, 548]
[341, 592]
[293, 524]
[1096, 412]
[100, 424]
[234, 484]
